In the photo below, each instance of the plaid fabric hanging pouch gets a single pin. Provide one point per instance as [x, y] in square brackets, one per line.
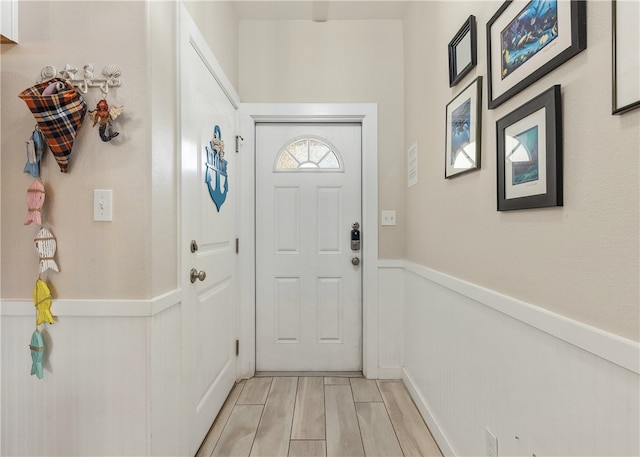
[59, 116]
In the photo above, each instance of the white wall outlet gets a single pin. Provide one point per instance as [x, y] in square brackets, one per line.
[492, 443]
[103, 205]
[388, 217]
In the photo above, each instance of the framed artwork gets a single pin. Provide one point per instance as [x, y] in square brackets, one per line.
[462, 51]
[530, 154]
[526, 39]
[625, 18]
[463, 130]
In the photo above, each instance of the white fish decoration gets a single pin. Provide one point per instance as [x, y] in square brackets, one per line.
[46, 246]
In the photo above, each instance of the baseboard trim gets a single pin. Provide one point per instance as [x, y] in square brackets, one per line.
[613, 348]
[390, 373]
[438, 434]
[96, 308]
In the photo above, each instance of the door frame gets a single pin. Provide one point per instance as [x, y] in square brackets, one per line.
[365, 114]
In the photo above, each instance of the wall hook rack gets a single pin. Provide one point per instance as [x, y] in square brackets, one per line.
[85, 78]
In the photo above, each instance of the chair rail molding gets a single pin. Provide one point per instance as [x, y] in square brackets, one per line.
[613, 348]
[96, 307]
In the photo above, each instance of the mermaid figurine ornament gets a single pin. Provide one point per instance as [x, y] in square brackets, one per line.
[103, 114]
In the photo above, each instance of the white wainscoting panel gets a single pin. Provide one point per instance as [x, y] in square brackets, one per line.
[92, 399]
[165, 387]
[470, 366]
[111, 381]
[390, 312]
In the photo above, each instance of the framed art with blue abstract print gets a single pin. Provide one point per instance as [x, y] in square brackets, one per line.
[526, 39]
[530, 154]
[463, 130]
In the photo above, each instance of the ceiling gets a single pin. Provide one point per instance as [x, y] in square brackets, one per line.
[319, 10]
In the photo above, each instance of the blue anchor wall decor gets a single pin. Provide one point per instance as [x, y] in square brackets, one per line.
[217, 164]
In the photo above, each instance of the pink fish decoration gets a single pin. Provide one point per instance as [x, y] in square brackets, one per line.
[35, 201]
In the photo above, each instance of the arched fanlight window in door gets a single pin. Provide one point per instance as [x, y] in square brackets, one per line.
[308, 154]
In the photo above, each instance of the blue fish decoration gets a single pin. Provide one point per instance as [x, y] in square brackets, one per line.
[37, 351]
[35, 151]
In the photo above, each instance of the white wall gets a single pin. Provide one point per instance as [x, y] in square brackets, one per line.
[391, 305]
[536, 339]
[96, 369]
[91, 400]
[99, 260]
[111, 384]
[0, 235]
[474, 359]
[218, 23]
[335, 62]
[163, 209]
[122, 332]
[580, 260]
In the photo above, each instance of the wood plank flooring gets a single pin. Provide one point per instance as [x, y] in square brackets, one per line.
[318, 416]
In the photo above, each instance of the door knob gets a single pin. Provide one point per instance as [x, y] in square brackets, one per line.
[194, 274]
[355, 260]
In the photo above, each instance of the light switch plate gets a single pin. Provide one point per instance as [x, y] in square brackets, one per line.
[103, 205]
[388, 217]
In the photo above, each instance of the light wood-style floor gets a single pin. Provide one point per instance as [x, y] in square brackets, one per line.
[318, 416]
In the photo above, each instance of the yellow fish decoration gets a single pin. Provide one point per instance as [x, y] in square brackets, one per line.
[42, 301]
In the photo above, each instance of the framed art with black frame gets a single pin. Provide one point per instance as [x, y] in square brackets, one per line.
[463, 130]
[625, 18]
[462, 51]
[526, 39]
[530, 154]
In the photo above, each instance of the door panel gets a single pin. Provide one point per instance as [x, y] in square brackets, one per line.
[329, 230]
[208, 320]
[287, 216]
[329, 310]
[287, 310]
[308, 293]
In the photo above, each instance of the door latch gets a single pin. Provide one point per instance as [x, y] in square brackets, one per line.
[355, 236]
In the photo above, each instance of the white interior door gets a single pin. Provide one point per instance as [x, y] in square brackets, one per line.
[308, 290]
[208, 321]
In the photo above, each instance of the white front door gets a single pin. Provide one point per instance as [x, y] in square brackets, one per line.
[308, 287]
[207, 240]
